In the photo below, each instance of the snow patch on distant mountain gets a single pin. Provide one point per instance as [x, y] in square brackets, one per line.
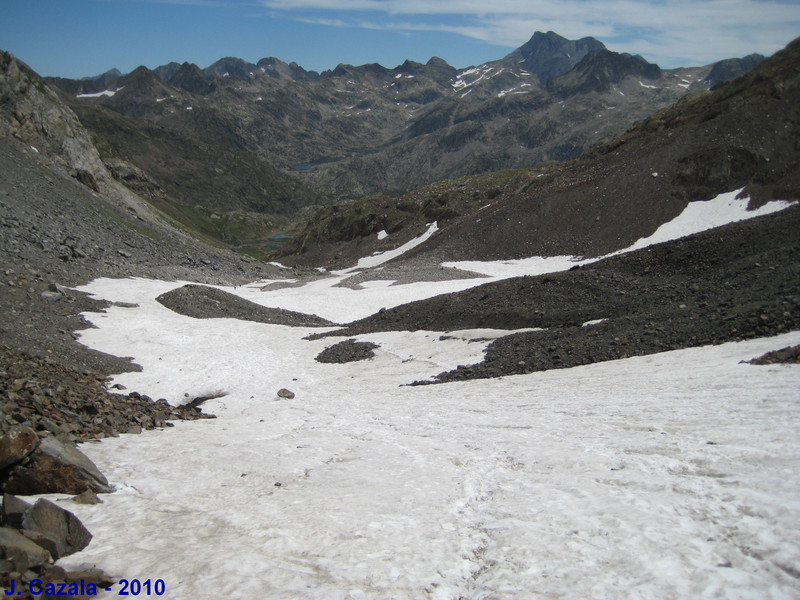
[107, 93]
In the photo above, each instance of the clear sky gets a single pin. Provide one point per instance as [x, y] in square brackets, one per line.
[76, 38]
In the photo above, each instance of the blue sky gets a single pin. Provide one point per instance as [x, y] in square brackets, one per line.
[75, 38]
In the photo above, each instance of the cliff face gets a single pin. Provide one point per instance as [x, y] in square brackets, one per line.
[33, 114]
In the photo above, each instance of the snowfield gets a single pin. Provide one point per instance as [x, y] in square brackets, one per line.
[675, 475]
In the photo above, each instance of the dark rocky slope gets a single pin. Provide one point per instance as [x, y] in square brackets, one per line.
[57, 233]
[736, 282]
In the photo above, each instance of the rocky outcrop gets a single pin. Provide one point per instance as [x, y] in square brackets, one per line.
[191, 78]
[549, 55]
[789, 356]
[31, 112]
[34, 114]
[19, 552]
[203, 302]
[16, 445]
[599, 70]
[731, 68]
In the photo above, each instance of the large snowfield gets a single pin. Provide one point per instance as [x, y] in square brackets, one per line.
[675, 475]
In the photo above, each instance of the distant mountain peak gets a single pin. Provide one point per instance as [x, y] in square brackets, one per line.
[164, 72]
[549, 54]
[231, 67]
[599, 70]
[274, 67]
[731, 68]
[191, 78]
[105, 78]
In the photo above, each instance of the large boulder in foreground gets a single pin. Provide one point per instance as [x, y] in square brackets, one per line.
[55, 529]
[56, 467]
[31, 538]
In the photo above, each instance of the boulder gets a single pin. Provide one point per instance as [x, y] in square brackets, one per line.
[55, 529]
[56, 467]
[284, 393]
[87, 497]
[13, 510]
[21, 551]
[16, 445]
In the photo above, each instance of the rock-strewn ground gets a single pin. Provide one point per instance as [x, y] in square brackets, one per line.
[41, 393]
[53, 230]
[203, 302]
[347, 351]
[737, 282]
[789, 355]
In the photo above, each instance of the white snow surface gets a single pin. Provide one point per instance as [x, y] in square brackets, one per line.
[107, 93]
[699, 216]
[675, 475]
[381, 257]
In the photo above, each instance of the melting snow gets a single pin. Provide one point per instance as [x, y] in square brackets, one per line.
[697, 216]
[702, 215]
[482, 73]
[593, 322]
[382, 257]
[107, 93]
[674, 475]
[514, 90]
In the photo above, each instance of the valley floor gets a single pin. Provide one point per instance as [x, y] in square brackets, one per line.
[674, 475]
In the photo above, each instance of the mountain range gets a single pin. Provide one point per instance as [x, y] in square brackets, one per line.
[221, 147]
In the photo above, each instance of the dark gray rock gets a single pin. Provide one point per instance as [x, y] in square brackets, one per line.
[13, 510]
[347, 351]
[56, 529]
[87, 497]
